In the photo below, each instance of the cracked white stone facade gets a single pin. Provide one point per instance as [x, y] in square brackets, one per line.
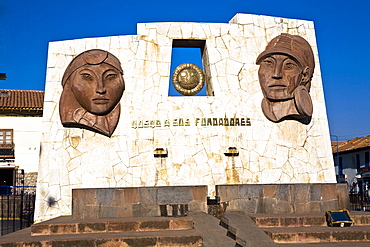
[285, 152]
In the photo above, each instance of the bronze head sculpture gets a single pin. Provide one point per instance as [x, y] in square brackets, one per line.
[92, 88]
[286, 68]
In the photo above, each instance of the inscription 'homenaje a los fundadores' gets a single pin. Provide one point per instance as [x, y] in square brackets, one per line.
[187, 122]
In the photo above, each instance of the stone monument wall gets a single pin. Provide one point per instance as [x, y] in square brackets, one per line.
[137, 201]
[196, 132]
[283, 198]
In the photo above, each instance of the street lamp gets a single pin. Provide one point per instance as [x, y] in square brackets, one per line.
[337, 157]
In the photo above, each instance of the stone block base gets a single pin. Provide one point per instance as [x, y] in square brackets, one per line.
[94, 203]
[283, 198]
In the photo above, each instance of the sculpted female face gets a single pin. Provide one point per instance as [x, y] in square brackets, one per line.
[279, 75]
[97, 88]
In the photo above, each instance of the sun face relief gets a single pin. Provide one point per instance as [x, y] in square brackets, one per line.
[279, 75]
[98, 88]
[92, 88]
[188, 79]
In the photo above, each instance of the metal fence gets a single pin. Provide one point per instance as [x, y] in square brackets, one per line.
[359, 202]
[17, 205]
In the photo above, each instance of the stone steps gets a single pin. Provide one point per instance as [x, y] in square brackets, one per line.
[294, 230]
[310, 229]
[288, 221]
[138, 231]
[244, 231]
[318, 234]
[213, 234]
[68, 225]
[178, 238]
[294, 220]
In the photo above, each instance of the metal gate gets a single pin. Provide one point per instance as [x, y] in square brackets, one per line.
[17, 205]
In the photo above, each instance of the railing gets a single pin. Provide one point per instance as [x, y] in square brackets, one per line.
[359, 202]
[17, 205]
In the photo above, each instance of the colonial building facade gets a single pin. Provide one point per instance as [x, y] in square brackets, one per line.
[20, 135]
[352, 161]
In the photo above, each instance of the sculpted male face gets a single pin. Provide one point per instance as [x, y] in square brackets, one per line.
[286, 69]
[98, 88]
[279, 75]
[92, 88]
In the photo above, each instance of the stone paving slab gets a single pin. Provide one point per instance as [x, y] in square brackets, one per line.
[23, 238]
[212, 232]
[246, 233]
[68, 225]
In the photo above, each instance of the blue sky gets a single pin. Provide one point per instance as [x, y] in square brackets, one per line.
[342, 32]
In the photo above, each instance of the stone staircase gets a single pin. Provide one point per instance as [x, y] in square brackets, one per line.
[138, 231]
[197, 229]
[313, 229]
[295, 230]
[129, 217]
[175, 216]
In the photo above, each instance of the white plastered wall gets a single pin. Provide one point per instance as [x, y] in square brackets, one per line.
[26, 137]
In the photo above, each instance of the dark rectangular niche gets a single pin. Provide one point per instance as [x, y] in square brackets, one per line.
[189, 43]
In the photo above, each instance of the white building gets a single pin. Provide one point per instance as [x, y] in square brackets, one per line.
[352, 161]
[20, 134]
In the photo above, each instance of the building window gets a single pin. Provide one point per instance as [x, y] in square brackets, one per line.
[358, 165]
[367, 159]
[340, 166]
[6, 138]
[6, 144]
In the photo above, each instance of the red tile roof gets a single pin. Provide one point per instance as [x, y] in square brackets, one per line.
[351, 145]
[21, 99]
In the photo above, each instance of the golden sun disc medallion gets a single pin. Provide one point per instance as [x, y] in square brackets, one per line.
[188, 79]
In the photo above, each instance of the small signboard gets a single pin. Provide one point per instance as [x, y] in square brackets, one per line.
[365, 169]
